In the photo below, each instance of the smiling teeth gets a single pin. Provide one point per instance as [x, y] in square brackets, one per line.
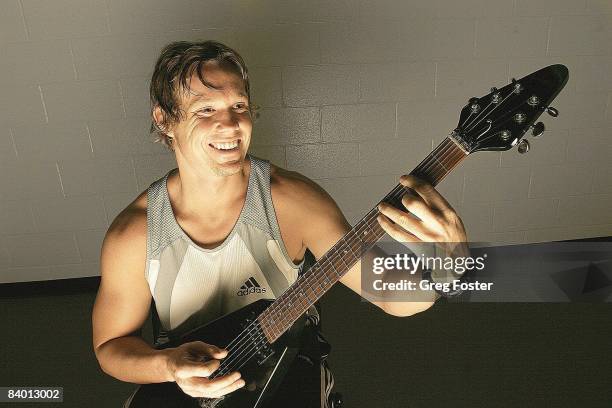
[225, 146]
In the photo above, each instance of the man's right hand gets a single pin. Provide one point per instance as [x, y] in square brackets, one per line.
[190, 365]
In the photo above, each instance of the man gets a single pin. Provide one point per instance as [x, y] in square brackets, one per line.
[195, 236]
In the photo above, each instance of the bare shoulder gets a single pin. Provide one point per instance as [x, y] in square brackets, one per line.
[308, 216]
[292, 189]
[131, 222]
[302, 197]
[128, 230]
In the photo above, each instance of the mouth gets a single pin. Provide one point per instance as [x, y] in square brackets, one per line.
[226, 147]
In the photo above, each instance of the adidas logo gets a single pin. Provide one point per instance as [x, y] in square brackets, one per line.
[250, 286]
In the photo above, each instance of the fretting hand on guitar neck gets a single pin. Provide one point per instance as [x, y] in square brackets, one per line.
[221, 240]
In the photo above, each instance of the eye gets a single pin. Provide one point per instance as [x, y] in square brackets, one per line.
[205, 111]
[241, 106]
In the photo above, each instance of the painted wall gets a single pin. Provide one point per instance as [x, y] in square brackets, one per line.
[353, 94]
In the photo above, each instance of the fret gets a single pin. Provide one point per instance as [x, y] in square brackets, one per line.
[440, 163]
[292, 312]
[346, 266]
[303, 294]
[347, 251]
[271, 329]
[337, 264]
[336, 268]
[324, 274]
[329, 282]
[356, 248]
[319, 289]
[321, 284]
[311, 299]
[299, 295]
[276, 331]
[278, 308]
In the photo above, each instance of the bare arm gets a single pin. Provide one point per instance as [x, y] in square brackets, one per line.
[122, 305]
[121, 308]
[325, 225]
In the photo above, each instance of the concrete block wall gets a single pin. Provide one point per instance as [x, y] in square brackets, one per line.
[353, 93]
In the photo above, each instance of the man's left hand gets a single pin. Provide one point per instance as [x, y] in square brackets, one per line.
[430, 218]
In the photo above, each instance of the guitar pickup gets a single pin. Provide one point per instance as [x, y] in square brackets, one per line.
[263, 354]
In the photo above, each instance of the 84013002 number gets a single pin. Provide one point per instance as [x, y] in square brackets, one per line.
[13, 394]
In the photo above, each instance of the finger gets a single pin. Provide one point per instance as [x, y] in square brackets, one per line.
[415, 205]
[230, 388]
[196, 369]
[207, 349]
[211, 387]
[403, 219]
[429, 194]
[218, 354]
[395, 232]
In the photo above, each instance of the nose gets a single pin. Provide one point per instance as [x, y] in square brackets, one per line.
[227, 121]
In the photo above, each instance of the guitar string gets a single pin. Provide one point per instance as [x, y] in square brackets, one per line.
[444, 151]
[260, 343]
[368, 217]
[500, 118]
[365, 220]
[329, 261]
[392, 194]
[492, 110]
[309, 278]
[231, 344]
[491, 102]
[466, 123]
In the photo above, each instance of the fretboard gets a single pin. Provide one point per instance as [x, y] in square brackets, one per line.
[336, 262]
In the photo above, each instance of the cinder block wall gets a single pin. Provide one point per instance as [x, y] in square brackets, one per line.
[353, 94]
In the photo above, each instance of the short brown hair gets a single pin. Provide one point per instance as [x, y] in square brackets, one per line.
[176, 64]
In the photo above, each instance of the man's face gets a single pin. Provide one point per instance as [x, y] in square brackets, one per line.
[215, 131]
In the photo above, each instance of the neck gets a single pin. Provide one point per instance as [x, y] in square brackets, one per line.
[204, 192]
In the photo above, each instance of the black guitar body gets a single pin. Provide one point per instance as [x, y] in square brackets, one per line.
[263, 373]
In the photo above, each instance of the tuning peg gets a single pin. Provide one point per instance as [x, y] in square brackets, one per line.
[552, 111]
[474, 105]
[537, 129]
[523, 146]
[516, 86]
[533, 100]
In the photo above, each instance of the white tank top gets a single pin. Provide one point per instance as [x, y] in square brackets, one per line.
[192, 286]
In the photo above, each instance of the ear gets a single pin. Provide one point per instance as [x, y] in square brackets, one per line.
[158, 117]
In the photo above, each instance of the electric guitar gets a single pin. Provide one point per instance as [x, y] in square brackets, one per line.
[262, 339]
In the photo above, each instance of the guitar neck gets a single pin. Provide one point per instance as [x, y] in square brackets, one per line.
[336, 262]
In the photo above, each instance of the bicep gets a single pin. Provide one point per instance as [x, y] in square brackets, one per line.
[123, 300]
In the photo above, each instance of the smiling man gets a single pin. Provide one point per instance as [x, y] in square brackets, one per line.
[222, 230]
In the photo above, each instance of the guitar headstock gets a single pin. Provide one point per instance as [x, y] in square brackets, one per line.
[499, 120]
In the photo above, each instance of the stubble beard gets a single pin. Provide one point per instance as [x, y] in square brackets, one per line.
[222, 171]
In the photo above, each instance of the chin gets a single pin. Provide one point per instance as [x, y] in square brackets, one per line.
[228, 169]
